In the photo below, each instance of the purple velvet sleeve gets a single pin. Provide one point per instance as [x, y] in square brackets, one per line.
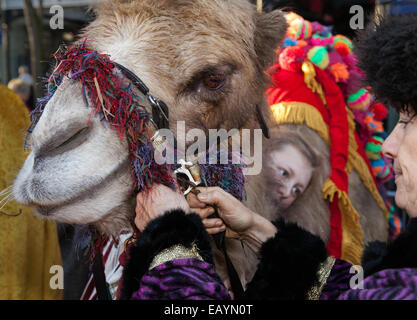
[338, 280]
[389, 284]
[182, 279]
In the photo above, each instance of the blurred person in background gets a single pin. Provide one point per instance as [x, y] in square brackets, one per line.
[25, 75]
[28, 245]
[23, 90]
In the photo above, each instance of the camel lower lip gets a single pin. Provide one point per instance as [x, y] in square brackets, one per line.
[44, 210]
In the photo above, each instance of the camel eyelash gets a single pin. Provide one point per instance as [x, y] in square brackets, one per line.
[210, 84]
[64, 142]
[209, 95]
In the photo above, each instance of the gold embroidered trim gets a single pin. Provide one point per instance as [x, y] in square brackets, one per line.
[322, 274]
[177, 251]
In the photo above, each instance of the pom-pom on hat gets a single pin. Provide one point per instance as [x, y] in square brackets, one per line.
[322, 39]
[291, 16]
[380, 111]
[360, 100]
[289, 42]
[319, 56]
[343, 45]
[373, 125]
[300, 29]
[374, 148]
[339, 72]
[379, 168]
[291, 58]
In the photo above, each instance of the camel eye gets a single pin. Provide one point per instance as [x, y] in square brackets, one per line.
[214, 81]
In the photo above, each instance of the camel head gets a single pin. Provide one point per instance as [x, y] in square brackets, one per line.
[204, 59]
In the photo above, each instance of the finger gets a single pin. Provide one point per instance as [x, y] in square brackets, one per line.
[231, 234]
[216, 230]
[213, 223]
[140, 209]
[140, 223]
[141, 217]
[203, 213]
[194, 202]
[209, 189]
[139, 198]
[215, 196]
[142, 198]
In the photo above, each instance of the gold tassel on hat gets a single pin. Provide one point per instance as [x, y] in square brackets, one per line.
[310, 80]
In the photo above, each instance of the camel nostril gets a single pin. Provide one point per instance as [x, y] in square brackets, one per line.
[37, 161]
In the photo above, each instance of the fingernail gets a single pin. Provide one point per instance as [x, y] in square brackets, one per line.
[218, 223]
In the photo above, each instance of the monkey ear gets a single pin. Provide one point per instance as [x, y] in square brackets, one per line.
[270, 30]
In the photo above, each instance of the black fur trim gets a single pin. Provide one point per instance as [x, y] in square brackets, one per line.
[399, 253]
[174, 227]
[288, 266]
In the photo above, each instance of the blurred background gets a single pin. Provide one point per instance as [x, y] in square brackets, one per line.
[26, 37]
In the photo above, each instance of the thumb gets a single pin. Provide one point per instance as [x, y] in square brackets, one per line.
[212, 197]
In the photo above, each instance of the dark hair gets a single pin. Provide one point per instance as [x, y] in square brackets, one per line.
[387, 53]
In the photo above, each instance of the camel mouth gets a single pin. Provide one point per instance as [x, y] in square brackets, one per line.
[44, 211]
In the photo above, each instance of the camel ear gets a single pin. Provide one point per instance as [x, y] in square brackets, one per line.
[270, 31]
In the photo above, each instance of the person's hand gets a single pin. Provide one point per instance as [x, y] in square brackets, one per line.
[156, 202]
[239, 221]
[235, 218]
[226, 205]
